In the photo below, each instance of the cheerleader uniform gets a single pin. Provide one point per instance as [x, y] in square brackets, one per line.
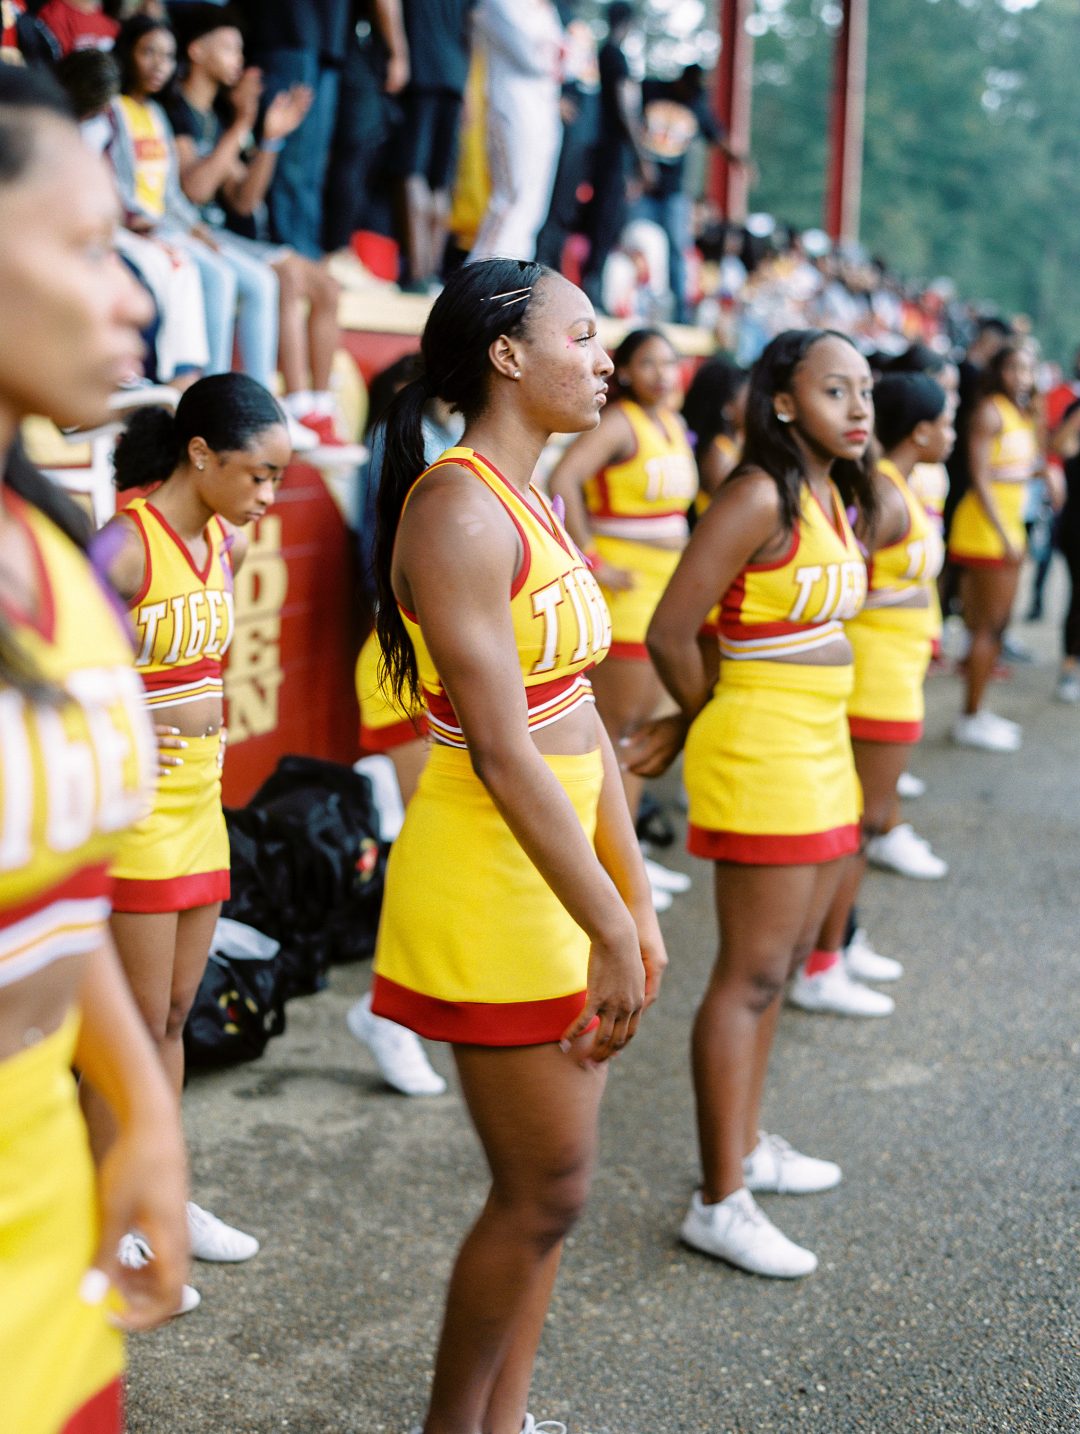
[730, 449]
[973, 540]
[633, 505]
[474, 947]
[891, 637]
[768, 765]
[384, 723]
[73, 775]
[930, 484]
[178, 856]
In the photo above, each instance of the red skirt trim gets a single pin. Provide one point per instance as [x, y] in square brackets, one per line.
[774, 848]
[177, 893]
[874, 729]
[476, 1023]
[374, 740]
[629, 651]
[103, 1414]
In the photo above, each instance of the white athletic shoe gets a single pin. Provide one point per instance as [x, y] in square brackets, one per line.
[834, 992]
[774, 1167]
[134, 1253]
[986, 731]
[1068, 687]
[662, 878]
[909, 787]
[397, 1051]
[545, 1426]
[211, 1239]
[865, 964]
[904, 851]
[738, 1231]
[661, 899]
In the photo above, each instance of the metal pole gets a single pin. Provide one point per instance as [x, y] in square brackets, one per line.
[729, 184]
[843, 190]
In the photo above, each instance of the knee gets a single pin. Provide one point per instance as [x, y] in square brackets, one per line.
[756, 988]
[180, 1004]
[290, 277]
[554, 1206]
[325, 289]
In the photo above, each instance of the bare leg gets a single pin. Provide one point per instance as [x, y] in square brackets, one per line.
[627, 694]
[418, 204]
[988, 595]
[535, 1111]
[323, 331]
[292, 336]
[768, 917]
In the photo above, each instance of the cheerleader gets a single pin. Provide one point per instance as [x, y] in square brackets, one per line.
[76, 764]
[627, 486]
[516, 922]
[714, 412]
[891, 639]
[987, 539]
[774, 798]
[214, 468]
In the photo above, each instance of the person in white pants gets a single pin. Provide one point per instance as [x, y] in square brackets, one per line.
[522, 41]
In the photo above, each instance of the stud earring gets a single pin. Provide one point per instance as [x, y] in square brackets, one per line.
[517, 373]
[200, 466]
[784, 417]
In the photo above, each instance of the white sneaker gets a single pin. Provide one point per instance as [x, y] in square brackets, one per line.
[397, 1051]
[212, 1239]
[774, 1167]
[1068, 687]
[834, 991]
[865, 964]
[661, 899]
[301, 439]
[909, 787]
[986, 731]
[545, 1426]
[662, 878]
[738, 1231]
[902, 850]
[134, 1253]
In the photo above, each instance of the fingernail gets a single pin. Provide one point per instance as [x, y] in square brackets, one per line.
[564, 1046]
[93, 1287]
[182, 744]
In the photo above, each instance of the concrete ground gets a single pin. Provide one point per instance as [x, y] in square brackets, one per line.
[946, 1298]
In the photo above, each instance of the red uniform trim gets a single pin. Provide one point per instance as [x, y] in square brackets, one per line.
[103, 1414]
[960, 560]
[629, 651]
[876, 729]
[178, 540]
[182, 673]
[479, 1023]
[174, 893]
[43, 620]
[396, 734]
[148, 567]
[773, 849]
[86, 884]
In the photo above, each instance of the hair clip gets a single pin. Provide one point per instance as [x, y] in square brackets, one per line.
[511, 296]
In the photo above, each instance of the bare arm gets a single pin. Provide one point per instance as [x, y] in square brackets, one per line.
[717, 464]
[454, 564]
[391, 26]
[201, 176]
[985, 427]
[245, 189]
[1066, 440]
[127, 567]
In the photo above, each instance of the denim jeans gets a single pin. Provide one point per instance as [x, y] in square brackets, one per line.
[672, 213]
[295, 201]
[241, 298]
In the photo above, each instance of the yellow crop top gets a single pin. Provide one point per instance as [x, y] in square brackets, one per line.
[800, 601]
[902, 572]
[1014, 450]
[183, 616]
[646, 496]
[560, 619]
[73, 775]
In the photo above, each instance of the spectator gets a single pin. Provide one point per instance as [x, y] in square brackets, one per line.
[522, 41]
[579, 109]
[78, 25]
[675, 113]
[376, 71]
[213, 168]
[438, 35]
[300, 44]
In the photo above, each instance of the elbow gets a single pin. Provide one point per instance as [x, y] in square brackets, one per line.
[499, 764]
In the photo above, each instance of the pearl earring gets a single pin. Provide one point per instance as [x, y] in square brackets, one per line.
[784, 417]
[517, 373]
[200, 466]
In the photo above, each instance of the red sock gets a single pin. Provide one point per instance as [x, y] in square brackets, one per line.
[819, 961]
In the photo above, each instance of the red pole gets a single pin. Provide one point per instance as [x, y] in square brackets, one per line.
[843, 191]
[729, 184]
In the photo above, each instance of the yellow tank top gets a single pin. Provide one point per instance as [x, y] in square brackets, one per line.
[930, 484]
[560, 619]
[1014, 450]
[909, 565]
[800, 601]
[151, 147]
[730, 450]
[74, 775]
[183, 616]
[645, 497]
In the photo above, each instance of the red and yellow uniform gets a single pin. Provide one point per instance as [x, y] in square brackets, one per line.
[73, 775]
[768, 767]
[384, 724]
[178, 856]
[1014, 453]
[473, 944]
[730, 450]
[892, 636]
[930, 484]
[633, 506]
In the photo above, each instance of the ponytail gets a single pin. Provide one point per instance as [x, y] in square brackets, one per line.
[403, 462]
[147, 451]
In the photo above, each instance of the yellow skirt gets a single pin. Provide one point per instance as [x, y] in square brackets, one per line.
[892, 653]
[474, 947]
[632, 610]
[383, 724]
[61, 1360]
[768, 767]
[178, 856]
[974, 541]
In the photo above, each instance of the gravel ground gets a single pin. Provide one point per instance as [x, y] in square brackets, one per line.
[946, 1298]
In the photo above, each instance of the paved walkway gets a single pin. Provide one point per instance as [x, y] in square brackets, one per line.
[946, 1299]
